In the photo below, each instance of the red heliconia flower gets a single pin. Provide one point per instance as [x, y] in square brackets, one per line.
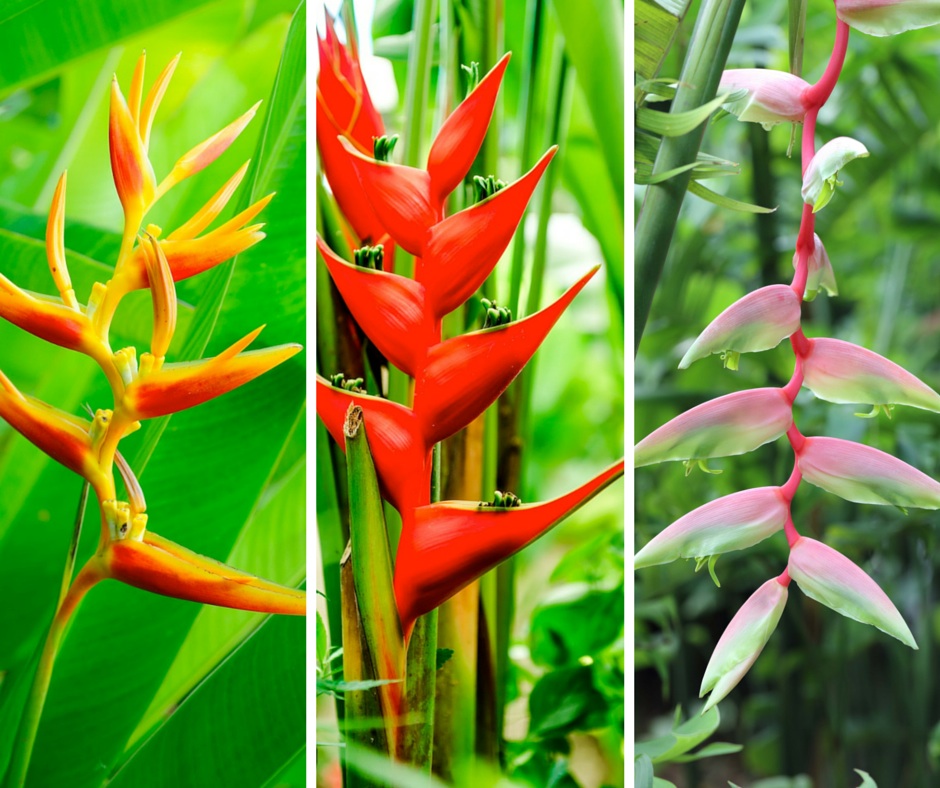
[155, 564]
[345, 109]
[402, 459]
[445, 546]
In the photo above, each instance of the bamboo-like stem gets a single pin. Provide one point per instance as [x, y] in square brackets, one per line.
[90, 574]
[698, 83]
[417, 736]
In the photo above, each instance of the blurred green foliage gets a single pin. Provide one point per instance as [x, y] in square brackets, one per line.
[827, 694]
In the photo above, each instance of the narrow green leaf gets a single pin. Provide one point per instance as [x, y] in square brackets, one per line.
[705, 193]
[675, 124]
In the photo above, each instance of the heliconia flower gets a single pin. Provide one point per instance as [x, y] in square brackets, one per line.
[742, 642]
[188, 256]
[819, 275]
[390, 309]
[62, 436]
[819, 180]
[833, 580]
[170, 388]
[155, 564]
[55, 246]
[759, 321]
[772, 96]
[463, 249]
[734, 522]
[733, 424]
[154, 97]
[841, 372]
[345, 109]
[445, 546]
[457, 143]
[211, 210]
[865, 475]
[463, 376]
[888, 17]
[207, 151]
[130, 166]
[47, 319]
[402, 458]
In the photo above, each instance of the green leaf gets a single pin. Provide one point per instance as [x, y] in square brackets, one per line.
[321, 636]
[682, 739]
[443, 656]
[43, 35]
[562, 701]
[709, 751]
[725, 202]
[241, 726]
[643, 772]
[655, 25]
[675, 124]
[575, 621]
[867, 781]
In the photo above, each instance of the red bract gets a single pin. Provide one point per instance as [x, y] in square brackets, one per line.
[443, 546]
[345, 109]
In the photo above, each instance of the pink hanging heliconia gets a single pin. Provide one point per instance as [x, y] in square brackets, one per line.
[832, 369]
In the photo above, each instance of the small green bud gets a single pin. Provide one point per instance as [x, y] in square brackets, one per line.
[383, 146]
[473, 75]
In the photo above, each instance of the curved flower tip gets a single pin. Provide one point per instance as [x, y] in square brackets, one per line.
[772, 96]
[464, 375]
[158, 565]
[888, 17]
[445, 546]
[188, 257]
[833, 580]
[820, 178]
[462, 249]
[865, 475]
[175, 387]
[54, 322]
[734, 424]
[839, 371]
[742, 642]
[461, 135]
[759, 321]
[62, 436]
[400, 197]
[389, 308]
[819, 274]
[394, 439]
[55, 245]
[733, 522]
[132, 171]
[207, 152]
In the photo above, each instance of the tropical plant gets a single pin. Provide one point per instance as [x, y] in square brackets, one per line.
[833, 370]
[101, 666]
[407, 376]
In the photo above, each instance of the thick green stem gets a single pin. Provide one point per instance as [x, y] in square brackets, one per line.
[29, 723]
[419, 73]
[708, 52]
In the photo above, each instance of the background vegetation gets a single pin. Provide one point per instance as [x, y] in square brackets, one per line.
[152, 690]
[827, 694]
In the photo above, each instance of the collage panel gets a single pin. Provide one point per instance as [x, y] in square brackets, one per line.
[470, 394]
[152, 439]
[785, 394]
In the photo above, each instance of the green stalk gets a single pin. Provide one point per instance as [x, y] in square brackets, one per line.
[417, 735]
[455, 709]
[372, 572]
[514, 413]
[29, 724]
[419, 77]
[530, 70]
[361, 706]
[706, 57]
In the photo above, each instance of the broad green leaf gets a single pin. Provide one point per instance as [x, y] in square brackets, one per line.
[655, 25]
[241, 726]
[41, 36]
[293, 775]
[643, 772]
